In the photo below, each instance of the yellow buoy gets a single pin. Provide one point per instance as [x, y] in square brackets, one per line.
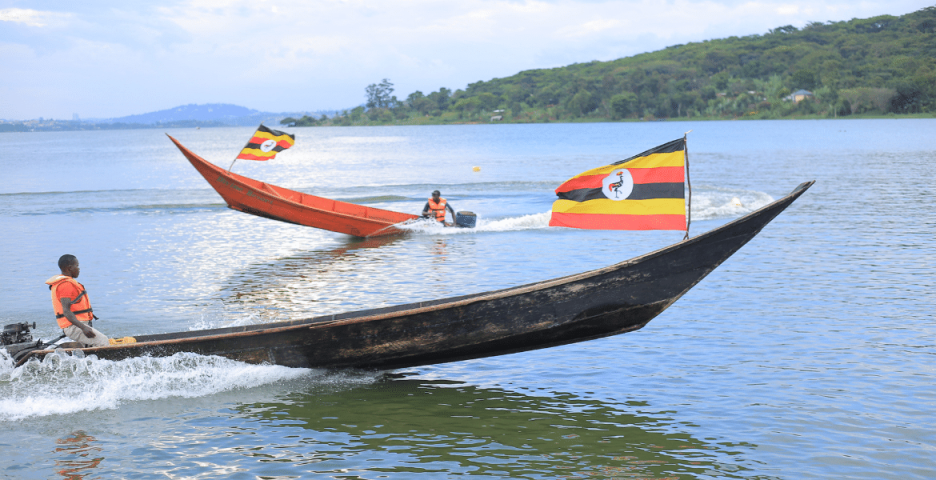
[476, 169]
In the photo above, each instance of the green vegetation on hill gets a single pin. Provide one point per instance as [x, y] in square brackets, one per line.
[876, 66]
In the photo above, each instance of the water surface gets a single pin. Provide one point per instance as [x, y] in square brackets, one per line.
[808, 354]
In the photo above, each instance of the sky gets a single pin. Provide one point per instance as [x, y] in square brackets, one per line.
[106, 59]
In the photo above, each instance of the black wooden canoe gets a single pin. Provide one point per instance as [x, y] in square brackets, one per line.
[616, 299]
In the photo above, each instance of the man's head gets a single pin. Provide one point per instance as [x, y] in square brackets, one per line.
[68, 264]
[435, 195]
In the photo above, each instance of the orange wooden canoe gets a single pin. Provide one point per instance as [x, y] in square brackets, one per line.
[262, 199]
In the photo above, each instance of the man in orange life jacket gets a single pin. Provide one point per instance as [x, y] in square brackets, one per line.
[435, 208]
[72, 306]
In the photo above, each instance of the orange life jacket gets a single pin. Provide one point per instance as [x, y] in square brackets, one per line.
[438, 209]
[81, 305]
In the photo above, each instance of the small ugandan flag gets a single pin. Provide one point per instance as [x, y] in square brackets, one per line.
[644, 192]
[265, 144]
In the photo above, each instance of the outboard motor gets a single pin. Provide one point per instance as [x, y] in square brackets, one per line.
[16, 333]
[466, 219]
[17, 341]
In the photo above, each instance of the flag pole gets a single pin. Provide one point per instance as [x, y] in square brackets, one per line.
[238, 154]
[241, 150]
[689, 207]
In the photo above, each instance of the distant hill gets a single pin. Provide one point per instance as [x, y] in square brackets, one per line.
[883, 65]
[210, 112]
[209, 115]
[184, 116]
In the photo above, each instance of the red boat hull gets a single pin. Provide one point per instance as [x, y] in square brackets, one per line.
[270, 201]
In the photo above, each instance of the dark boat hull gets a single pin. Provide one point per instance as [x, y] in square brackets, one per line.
[608, 301]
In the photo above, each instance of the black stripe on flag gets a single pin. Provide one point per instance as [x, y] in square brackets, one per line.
[677, 145]
[641, 191]
[277, 148]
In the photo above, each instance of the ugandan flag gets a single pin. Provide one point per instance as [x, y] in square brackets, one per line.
[644, 192]
[265, 144]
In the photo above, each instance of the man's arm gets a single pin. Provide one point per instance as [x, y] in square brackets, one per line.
[66, 310]
[449, 206]
[426, 209]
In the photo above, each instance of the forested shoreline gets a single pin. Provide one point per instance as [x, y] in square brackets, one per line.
[880, 66]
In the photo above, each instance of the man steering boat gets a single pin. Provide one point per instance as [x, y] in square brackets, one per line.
[72, 305]
[435, 209]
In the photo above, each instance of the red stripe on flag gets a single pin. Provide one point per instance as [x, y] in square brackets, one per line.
[596, 221]
[248, 156]
[585, 181]
[640, 175]
[657, 175]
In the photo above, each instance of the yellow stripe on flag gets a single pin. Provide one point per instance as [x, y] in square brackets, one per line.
[674, 159]
[257, 152]
[657, 206]
[278, 138]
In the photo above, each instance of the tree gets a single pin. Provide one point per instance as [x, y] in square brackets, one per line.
[804, 79]
[468, 105]
[488, 101]
[783, 29]
[420, 103]
[582, 103]
[378, 94]
[908, 98]
[717, 61]
[623, 104]
[442, 98]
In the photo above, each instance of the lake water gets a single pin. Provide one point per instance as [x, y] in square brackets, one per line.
[808, 354]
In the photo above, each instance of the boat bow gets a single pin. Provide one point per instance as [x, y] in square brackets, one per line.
[277, 203]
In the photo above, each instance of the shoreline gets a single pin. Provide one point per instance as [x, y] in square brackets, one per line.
[69, 126]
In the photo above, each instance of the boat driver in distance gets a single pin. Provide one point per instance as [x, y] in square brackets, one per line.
[435, 208]
[72, 306]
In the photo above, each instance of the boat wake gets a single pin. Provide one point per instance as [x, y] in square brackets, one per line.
[64, 384]
[509, 224]
[711, 203]
[714, 203]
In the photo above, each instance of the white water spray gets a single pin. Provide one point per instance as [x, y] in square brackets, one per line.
[65, 384]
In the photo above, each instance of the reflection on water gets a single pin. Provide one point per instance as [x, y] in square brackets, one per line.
[396, 427]
[400, 426]
[439, 251]
[77, 454]
[348, 277]
[308, 283]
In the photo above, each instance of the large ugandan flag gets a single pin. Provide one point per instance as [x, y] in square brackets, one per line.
[644, 192]
[265, 144]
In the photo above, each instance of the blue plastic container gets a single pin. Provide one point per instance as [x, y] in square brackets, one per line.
[466, 219]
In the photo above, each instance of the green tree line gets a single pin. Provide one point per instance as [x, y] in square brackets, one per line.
[875, 66]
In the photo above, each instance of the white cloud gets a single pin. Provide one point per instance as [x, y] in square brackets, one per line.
[787, 9]
[32, 18]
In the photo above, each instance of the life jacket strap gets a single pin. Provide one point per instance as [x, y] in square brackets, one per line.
[77, 312]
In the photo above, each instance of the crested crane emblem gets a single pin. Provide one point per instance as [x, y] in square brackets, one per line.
[618, 185]
[267, 145]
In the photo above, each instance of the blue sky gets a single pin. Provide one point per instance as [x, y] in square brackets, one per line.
[103, 59]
